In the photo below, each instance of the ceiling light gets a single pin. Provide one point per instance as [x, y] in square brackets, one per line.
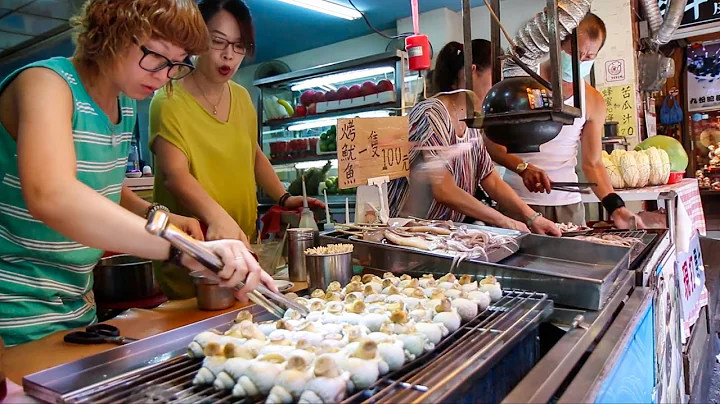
[327, 7]
[342, 77]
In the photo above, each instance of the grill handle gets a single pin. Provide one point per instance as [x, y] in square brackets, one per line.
[158, 224]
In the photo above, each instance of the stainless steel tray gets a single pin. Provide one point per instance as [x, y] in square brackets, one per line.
[495, 254]
[573, 273]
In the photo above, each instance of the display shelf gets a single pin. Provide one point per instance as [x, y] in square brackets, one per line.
[332, 156]
[282, 123]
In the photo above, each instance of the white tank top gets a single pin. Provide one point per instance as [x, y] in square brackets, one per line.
[558, 159]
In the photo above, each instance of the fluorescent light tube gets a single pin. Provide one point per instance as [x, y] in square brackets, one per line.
[316, 164]
[327, 7]
[342, 77]
[321, 123]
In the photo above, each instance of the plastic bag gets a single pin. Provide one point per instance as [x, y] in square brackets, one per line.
[670, 115]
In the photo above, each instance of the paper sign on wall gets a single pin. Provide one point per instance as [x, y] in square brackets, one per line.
[620, 103]
[371, 148]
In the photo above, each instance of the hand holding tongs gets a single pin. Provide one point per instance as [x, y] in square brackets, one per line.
[158, 225]
[579, 187]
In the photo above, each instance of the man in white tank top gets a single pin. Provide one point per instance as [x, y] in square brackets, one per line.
[529, 174]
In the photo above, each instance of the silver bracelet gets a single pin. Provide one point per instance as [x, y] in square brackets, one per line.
[154, 208]
[532, 218]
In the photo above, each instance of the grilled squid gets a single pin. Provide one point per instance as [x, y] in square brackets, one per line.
[213, 364]
[260, 376]
[364, 365]
[465, 308]
[447, 316]
[291, 382]
[434, 332]
[238, 360]
[393, 353]
[482, 299]
[415, 344]
[329, 385]
[491, 285]
[374, 321]
[196, 348]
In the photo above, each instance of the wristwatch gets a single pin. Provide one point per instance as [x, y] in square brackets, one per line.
[154, 208]
[532, 219]
[521, 167]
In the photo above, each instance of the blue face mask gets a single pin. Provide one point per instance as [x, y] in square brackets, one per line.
[566, 60]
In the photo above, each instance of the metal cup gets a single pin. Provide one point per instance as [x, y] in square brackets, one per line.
[299, 240]
[210, 295]
[325, 268]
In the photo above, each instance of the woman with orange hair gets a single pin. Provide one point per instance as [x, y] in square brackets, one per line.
[65, 130]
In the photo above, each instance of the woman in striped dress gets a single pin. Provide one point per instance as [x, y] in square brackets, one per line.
[442, 188]
[65, 130]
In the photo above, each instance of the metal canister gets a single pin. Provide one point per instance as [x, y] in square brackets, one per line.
[210, 295]
[325, 268]
[299, 240]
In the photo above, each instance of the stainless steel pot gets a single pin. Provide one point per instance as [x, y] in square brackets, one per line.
[210, 295]
[124, 278]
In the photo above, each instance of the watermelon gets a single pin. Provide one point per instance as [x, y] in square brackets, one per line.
[677, 154]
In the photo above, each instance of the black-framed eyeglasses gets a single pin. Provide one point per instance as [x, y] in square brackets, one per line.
[152, 61]
[221, 44]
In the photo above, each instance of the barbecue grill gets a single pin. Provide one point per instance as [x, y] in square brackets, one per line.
[496, 349]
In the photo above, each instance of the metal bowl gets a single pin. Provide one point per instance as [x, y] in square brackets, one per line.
[124, 278]
[210, 295]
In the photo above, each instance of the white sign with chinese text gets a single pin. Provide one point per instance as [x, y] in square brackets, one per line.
[691, 277]
[615, 70]
[371, 148]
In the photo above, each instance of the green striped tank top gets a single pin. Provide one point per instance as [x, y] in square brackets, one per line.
[45, 278]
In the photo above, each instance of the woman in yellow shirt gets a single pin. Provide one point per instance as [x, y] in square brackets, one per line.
[204, 138]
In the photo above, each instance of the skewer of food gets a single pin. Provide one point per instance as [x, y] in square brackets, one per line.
[610, 239]
[352, 336]
[569, 227]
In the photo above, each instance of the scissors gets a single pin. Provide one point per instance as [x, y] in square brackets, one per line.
[97, 334]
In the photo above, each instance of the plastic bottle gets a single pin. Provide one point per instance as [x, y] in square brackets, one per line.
[133, 163]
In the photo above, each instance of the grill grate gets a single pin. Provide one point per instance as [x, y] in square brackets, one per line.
[167, 382]
[480, 340]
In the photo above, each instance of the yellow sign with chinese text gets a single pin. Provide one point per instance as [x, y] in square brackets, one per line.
[372, 148]
[621, 108]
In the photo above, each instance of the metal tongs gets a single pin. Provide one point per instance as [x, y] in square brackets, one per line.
[579, 187]
[159, 225]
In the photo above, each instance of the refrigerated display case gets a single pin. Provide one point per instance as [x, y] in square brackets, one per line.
[298, 111]
[705, 139]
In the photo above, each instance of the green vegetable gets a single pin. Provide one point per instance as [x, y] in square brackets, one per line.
[323, 147]
[324, 136]
[313, 178]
